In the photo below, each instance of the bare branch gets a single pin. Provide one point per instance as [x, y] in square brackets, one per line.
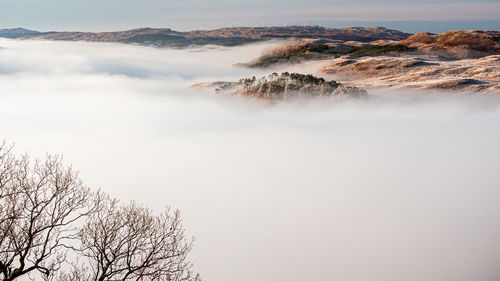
[39, 203]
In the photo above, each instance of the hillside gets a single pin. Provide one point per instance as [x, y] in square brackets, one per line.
[463, 44]
[471, 75]
[301, 50]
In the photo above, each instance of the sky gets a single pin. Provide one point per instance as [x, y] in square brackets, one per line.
[108, 15]
[395, 187]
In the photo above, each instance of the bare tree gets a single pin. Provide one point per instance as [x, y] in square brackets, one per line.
[40, 201]
[128, 242]
[51, 222]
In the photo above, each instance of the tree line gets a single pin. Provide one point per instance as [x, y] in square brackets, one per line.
[54, 228]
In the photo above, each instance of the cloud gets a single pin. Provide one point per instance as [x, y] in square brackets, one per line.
[401, 186]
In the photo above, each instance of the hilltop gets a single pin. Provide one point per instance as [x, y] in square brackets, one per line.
[287, 86]
[17, 32]
[458, 43]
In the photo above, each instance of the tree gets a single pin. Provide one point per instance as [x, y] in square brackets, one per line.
[128, 242]
[51, 222]
[40, 203]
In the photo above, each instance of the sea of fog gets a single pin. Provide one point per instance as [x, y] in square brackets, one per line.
[399, 186]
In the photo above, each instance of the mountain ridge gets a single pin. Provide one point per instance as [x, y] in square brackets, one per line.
[228, 36]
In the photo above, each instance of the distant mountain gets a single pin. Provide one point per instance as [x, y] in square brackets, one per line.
[362, 34]
[225, 36]
[17, 32]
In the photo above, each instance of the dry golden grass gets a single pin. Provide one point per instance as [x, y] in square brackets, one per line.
[456, 41]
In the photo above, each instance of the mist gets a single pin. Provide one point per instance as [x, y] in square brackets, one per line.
[400, 186]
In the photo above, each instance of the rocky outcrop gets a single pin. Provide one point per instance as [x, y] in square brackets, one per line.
[288, 86]
[475, 75]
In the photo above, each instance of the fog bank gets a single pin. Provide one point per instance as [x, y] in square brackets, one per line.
[401, 186]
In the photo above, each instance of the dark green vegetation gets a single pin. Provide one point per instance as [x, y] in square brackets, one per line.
[377, 50]
[267, 61]
[288, 86]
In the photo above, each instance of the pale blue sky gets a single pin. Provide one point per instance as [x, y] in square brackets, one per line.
[95, 15]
